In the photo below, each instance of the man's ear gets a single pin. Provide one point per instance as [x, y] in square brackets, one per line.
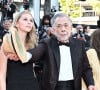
[52, 29]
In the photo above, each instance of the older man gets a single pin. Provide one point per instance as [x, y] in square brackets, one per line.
[64, 57]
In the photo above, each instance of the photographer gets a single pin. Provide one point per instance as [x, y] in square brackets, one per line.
[8, 8]
[45, 23]
[79, 32]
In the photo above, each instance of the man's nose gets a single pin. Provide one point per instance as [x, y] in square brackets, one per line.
[63, 28]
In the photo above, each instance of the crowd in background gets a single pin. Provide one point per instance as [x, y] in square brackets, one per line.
[43, 32]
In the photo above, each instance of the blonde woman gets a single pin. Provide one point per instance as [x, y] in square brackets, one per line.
[94, 57]
[20, 76]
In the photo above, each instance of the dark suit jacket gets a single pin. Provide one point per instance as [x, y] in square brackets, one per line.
[48, 51]
[6, 13]
[87, 43]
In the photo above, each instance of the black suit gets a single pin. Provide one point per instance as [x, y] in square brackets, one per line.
[87, 43]
[48, 51]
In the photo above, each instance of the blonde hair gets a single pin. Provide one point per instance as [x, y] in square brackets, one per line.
[30, 41]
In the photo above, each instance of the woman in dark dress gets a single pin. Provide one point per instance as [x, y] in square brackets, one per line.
[20, 76]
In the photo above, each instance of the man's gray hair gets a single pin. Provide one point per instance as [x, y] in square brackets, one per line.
[59, 15]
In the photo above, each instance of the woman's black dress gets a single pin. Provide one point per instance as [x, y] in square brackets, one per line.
[21, 76]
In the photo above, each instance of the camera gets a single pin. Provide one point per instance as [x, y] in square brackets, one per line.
[45, 27]
[53, 11]
[81, 33]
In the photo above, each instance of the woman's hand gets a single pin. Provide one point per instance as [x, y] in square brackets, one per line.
[12, 56]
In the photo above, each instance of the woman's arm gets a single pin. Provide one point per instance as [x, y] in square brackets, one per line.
[3, 68]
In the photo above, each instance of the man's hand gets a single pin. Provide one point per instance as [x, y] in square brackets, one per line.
[92, 87]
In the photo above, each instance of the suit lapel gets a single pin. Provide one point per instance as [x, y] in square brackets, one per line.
[55, 49]
[74, 55]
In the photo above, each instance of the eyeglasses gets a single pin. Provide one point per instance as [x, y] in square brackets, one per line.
[59, 26]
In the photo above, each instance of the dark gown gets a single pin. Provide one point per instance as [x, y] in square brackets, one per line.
[21, 76]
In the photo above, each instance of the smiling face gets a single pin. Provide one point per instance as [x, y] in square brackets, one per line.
[62, 28]
[25, 23]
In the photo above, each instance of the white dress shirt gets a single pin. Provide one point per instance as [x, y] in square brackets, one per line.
[66, 71]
